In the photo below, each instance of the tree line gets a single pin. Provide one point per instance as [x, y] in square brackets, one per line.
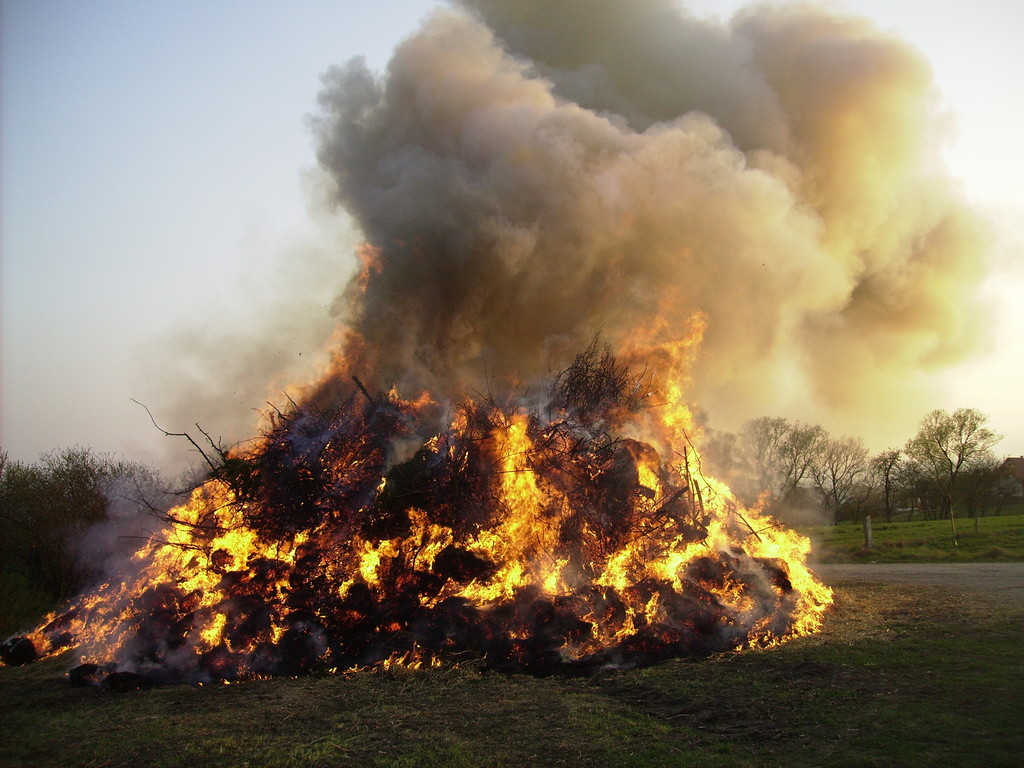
[803, 474]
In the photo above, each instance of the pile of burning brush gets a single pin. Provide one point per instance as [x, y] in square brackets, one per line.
[520, 539]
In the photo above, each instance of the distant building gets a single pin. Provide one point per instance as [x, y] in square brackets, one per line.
[1013, 471]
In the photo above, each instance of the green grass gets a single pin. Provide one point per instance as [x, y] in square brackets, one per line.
[897, 678]
[20, 604]
[995, 538]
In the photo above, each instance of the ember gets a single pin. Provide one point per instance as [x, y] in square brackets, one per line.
[541, 544]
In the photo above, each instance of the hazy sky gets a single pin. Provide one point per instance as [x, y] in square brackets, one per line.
[155, 178]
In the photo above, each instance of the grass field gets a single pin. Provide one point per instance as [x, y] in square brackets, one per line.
[898, 678]
[995, 538]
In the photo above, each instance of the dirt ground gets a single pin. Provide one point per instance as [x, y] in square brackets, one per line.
[999, 581]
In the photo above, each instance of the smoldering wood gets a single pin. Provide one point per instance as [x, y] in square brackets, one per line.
[84, 675]
[17, 651]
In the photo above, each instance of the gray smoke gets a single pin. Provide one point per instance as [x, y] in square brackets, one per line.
[527, 175]
[530, 174]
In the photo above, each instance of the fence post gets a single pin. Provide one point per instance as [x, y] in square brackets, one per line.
[868, 538]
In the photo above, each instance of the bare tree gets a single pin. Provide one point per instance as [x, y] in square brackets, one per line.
[948, 444]
[760, 448]
[777, 456]
[838, 469]
[885, 474]
[979, 487]
[920, 491]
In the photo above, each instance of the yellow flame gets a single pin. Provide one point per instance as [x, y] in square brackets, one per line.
[208, 538]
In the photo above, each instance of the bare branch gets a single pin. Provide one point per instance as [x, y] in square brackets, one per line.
[186, 435]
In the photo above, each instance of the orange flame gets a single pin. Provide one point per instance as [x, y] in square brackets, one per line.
[535, 543]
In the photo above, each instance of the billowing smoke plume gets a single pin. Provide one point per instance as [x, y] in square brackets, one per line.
[530, 174]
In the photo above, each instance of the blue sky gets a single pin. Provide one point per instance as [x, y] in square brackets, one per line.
[154, 160]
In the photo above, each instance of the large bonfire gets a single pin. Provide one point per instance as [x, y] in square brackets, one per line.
[530, 540]
[749, 217]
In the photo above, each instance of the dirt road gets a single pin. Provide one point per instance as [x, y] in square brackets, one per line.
[1002, 581]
